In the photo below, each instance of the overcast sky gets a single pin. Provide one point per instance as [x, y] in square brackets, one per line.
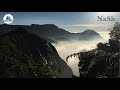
[70, 21]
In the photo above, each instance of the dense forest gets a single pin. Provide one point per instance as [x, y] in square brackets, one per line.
[103, 61]
[25, 55]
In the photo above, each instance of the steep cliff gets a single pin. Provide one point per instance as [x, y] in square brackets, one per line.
[25, 55]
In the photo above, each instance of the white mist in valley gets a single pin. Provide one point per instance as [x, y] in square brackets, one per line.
[65, 48]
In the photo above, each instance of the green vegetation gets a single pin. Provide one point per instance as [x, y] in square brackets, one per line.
[103, 61]
[20, 56]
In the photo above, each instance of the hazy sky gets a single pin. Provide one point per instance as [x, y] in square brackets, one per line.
[70, 21]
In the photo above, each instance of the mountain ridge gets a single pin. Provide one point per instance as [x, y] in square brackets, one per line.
[53, 33]
[24, 54]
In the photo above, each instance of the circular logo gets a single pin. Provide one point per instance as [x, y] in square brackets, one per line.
[8, 19]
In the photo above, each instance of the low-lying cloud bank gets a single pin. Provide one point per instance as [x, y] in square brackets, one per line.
[66, 48]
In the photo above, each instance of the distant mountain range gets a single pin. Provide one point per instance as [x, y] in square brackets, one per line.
[52, 33]
[25, 55]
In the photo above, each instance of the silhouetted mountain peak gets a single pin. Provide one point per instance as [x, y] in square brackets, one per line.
[45, 25]
[90, 32]
[51, 32]
[50, 25]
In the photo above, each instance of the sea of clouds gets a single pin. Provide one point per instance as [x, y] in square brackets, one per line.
[65, 48]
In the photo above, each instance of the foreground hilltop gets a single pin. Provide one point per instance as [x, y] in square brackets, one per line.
[25, 55]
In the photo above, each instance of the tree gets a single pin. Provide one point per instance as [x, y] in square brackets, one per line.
[102, 62]
[115, 37]
[115, 32]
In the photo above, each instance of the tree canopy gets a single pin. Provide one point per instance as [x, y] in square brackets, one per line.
[103, 61]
